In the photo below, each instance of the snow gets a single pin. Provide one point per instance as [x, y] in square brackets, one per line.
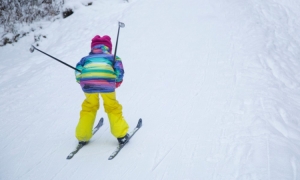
[217, 84]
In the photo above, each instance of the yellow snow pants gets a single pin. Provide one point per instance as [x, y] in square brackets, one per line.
[90, 106]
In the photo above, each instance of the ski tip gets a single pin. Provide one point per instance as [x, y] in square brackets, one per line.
[101, 121]
[140, 123]
[69, 157]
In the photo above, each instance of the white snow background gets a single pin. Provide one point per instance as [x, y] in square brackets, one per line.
[217, 83]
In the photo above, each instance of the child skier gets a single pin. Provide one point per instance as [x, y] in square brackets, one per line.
[100, 74]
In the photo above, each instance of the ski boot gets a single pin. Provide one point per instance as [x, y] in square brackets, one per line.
[82, 143]
[123, 140]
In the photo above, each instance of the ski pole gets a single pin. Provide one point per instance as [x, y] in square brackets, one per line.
[34, 48]
[120, 25]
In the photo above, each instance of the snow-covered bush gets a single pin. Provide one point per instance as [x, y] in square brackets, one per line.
[17, 16]
[15, 13]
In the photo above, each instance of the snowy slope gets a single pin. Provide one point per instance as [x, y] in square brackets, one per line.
[216, 83]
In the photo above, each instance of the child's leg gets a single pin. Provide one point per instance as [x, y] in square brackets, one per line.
[118, 125]
[88, 113]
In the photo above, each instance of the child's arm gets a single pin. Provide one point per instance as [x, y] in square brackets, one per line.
[79, 66]
[119, 69]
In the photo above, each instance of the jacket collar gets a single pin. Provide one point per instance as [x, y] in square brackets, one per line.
[100, 49]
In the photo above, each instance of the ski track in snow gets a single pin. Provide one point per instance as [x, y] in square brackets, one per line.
[216, 83]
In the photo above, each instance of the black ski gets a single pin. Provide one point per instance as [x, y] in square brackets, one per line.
[119, 148]
[79, 146]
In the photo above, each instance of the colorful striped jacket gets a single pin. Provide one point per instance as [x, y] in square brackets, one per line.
[99, 71]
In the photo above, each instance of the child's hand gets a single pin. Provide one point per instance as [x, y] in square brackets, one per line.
[118, 84]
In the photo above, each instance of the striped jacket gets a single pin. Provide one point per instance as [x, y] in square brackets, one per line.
[99, 71]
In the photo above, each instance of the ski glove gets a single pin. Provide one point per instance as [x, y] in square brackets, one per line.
[118, 84]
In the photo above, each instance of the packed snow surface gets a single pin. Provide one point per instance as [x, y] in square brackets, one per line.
[217, 83]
